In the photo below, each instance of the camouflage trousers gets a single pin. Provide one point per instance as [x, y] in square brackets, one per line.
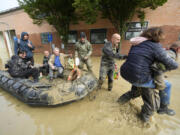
[159, 82]
[106, 71]
[87, 62]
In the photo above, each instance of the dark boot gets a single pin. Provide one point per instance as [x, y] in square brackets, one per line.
[100, 82]
[110, 86]
[133, 93]
[144, 117]
[165, 110]
[61, 75]
[125, 98]
[36, 80]
[50, 79]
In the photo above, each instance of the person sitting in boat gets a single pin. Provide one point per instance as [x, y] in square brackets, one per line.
[76, 72]
[56, 63]
[44, 69]
[18, 68]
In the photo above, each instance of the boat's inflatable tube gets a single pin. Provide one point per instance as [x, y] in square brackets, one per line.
[42, 94]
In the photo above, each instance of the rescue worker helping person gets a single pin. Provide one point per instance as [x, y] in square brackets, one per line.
[107, 66]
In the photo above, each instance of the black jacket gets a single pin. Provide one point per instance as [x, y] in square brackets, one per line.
[45, 61]
[16, 65]
[108, 55]
[137, 67]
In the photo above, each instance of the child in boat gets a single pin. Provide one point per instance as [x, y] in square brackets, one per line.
[44, 69]
[76, 72]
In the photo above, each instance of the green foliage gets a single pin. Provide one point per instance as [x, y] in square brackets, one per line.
[141, 16]
[119, 12]
[87, 10]
[153, 4]
[59, 13]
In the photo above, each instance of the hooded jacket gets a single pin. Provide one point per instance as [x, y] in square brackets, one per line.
[137, 67]
[16, 65]
[23, 45]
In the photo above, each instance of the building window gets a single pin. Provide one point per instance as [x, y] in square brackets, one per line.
[44, 38]
[135, 29]
[72, 37]
[97, 36]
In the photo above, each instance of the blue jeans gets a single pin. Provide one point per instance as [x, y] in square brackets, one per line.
[164, 94]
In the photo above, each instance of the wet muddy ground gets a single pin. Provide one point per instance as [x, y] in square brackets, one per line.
[96, 114]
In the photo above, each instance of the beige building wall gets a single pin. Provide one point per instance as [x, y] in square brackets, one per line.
[166, 16]
[20, 21]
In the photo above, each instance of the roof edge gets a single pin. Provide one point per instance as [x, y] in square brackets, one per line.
[10, 10]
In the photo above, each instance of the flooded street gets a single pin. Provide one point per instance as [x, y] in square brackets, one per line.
[96, 114]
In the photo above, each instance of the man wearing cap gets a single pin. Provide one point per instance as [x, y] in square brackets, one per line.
[83, 50]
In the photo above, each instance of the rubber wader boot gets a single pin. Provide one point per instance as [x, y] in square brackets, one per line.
[125, 98]
[50, 79]
[100, 82]
[110, 85]
[133, 93]
[36, 80]
[61, 75]
[165, 110]
[144, 117]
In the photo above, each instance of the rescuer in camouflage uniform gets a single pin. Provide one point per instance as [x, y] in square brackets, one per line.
[83, 50]
[109, 52]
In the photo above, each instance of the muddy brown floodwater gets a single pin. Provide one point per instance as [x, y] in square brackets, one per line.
[96, 114]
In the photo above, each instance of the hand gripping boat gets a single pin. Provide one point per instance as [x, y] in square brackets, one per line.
[58, 92]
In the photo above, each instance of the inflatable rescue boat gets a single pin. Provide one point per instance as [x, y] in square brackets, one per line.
[45, 93]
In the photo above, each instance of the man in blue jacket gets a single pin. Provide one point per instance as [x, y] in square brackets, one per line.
[25, 45]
